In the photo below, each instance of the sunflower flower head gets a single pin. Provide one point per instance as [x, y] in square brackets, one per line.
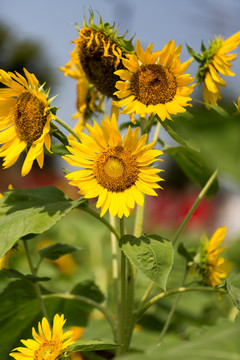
[88, 100]
[100, 50]
[115, 171]
[212, 267]
[154, 82]
[213, 62]
[25, 119]
[48, 344]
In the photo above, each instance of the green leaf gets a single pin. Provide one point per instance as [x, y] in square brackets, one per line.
[59, 149]
[31, 211]
[14, 274]
[218, 342]
[151, 254]
[91, 345]
[194, 166]
[88, 289]
[233, 288]
[55, 251]
[174, 132]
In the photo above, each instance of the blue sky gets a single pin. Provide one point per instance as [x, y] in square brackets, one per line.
[157, 21]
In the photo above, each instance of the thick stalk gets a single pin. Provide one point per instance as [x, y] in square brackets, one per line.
[35, 284]
[115, 275]
[121, 318]
[68, 128]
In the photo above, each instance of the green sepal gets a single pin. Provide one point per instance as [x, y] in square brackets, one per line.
[109, 31]
[194, 54]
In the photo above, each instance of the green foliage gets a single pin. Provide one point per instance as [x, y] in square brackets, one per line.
[151, 254]
[233, 288]
[213, 343]
[91, 345]
[55, 251]
[20, 310]
[14, 274]
[194, 165]
[31, 211]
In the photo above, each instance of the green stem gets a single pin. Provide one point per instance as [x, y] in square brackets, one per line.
[115, 275]
[88, 301]
[172, 311]
[195, 205]
[139, 220]
[68, 128]
[121, 319]
[141, 310]
[103, 220]
[36, 284]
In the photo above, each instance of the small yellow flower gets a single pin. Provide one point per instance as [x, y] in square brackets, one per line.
[117, 172]
[48, 344]
[215, 61]
[154, 82]
[25, 117]
[212, 267]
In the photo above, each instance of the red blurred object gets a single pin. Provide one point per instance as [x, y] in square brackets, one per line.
[171, 206]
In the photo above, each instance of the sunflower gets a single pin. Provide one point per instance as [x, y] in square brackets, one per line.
[214, 61]
[154, 83]
[88, 99]
[25, 117]
[49, 345]
[117, 172]
[100, 51]
[212, 267]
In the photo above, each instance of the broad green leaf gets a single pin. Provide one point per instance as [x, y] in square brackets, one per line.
[91, 345]
[31, 211]
[55, 251]
[219, 342]
[233, 288]
[194, 166]
[151, 254]
[14, 274]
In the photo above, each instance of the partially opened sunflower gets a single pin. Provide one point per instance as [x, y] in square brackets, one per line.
[154, 82]
[25, 117]
[115, 171]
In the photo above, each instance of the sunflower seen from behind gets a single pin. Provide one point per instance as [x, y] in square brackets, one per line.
[115, 171]
[213, 268]
[25, 120]
[215, 61]
[47, 344]
[154, 82]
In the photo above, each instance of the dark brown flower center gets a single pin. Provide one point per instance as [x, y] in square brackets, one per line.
[29, 118]
[153, 84]
[116, 169]
[100, 57]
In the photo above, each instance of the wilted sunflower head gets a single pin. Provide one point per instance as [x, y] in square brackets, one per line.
[100, 52]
